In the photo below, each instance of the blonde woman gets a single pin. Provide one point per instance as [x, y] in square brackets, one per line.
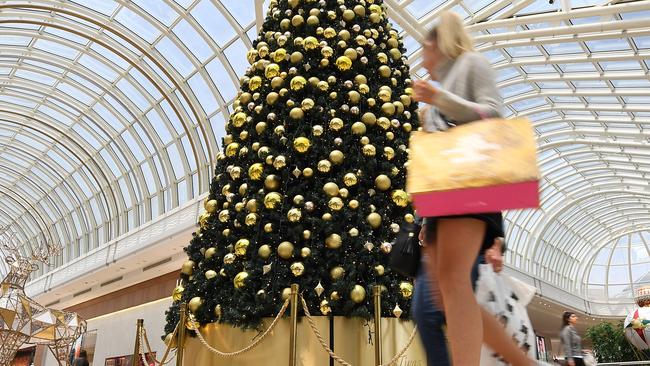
[467, 93]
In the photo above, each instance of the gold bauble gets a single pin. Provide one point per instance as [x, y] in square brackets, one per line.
[337, 273]
[369, 118]
[232, 149]
[305, 252]
[286, 293]
[268, 228]
[238, 119]
[324, 166]
[384, 71]
[272, 182]
[225, 232]
[335, 204]
[272, 98]
[389, 153]
[241, 247]
[251, 219]
[210, 252]
[409, 218]
[294, 215]
[217, 310]
[260, 127]
[350, 179]
[296, 57]
[240, 280]
[310, 43]
[285, 250]
[272, 200]
[354, 97]
[350, 53]
[312, 20]
[324, 307]
[210, 274]
[336, 157]
[400, 198]
[333, 241]
[385, 95]
[177, 295]
[280, 55]
[388, 109]
[375, 18]
[382, 182]
[211, 206]
[374, 219]
[329, 32]
[390, 135]
[354, 232]
[380, 269]
[348, 15]
[297, 113]
[407, 127]
[251, 205]
[254, 83]
[224, 216]
[406, 288]
[358, 294]
[307, 104]
[395, 53]
[343, 192]
[188, 268]
[285, 24]
[301, 144]
[277, 82]
[353, 204]
[255, 171]
[297, 268]
[271, 71]
[331, 188]
[308, 172]
[369, 150]
[335, 295]
[239, 206]
[195, 303]
[306, 234]
[297, 83]
[264, 251]
[229, 258]
[336, 124]
[327, 216]
[358, 128]
[297, 20]
[343, 63]
[364, 89]
[382, 57]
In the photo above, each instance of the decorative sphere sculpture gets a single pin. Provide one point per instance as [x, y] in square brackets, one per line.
[637, 323]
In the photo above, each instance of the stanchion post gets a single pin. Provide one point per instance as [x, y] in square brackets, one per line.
[294, 324]
[136, 349]
[181, 335]
[378, 336]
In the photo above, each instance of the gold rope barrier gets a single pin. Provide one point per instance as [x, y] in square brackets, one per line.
[378, 336]
[181, 336]
[145, 339]
[136, 347]
[247, 348]
[294, 325]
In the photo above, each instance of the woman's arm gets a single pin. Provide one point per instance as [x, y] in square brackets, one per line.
[480, 78]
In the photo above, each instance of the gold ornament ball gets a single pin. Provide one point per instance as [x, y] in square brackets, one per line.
[298, 199]
[335, 295]
[353, 204]
[308, 172]
[327, 216]
[260, 127]
[217, 310]
[369, 150]
[384, 71]
[310, 43]
[384, 123]
[301, 144]
[255, 171]
[336, 124]
[271, 71]
[358, 128]
[177, 295]
[285, 250]
[264, 251]
[268, 228]
[298, 113]
[232, 149]
[389, 153]
[307, 104]
[255, 83]
[239, 119]
[358, 294]
[369, 118]
[354, 232]
[335, 203]
[296, 57]
[374, 219]
[272, 182]
[240, 280]
[229, 258]
[272, 200]
[350, 53]
[324, 166]
[333, 241]
[210, 252]
[407, 127]
[317, 130]
[297, 83]
[210, 274]
[337, 273]
[406, 288]
[251, 219]
[388, 109]
[382, 182]
[211, 206]
[306, 234]
[343, 63]
[241, 247]
[188, 268]
[297, 268]
[251, 205]
[331, 189]
[409, 218]
[400, 198]
[195, 303]
[305, 252]
[294, 215]
[360, 79]
[348, 15]
[336, 157]
[272, 98]
[380, 270]
[350, 179]
[312, 20]
[286, 293]
[324, 307]
[297, 20]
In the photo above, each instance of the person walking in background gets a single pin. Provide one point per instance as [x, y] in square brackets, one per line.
[82, 360]
[467, 92]
[571, 341]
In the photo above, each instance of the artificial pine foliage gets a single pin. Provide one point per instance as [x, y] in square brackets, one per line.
[309, 187]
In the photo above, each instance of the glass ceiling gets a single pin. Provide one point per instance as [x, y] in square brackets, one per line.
[111, 113]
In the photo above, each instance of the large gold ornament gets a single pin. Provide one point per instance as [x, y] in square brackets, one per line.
[264, 251]
[297, 83]
[294, 215]
[336, 124]
[400, 198]
[255, 171]
[335, 204]
[301, 144]
[310, 43]
[177, 295]
[271, 71]
[337, 157]
[389, 153]
[232, 149]
[211, 206]
[285, 250]
[333, 241]
[374, 219]
[241, 247]
[272, 182]
[305, 252]
[369, 150]
[337, 273]
[240, 280]
[251, 219]
[382, 182]
[406, 288]
[297, 268]
[255, 83]
[188, 268]
[358, 294]
[324, 166]
[272, 200]
[350, 179]
[331, 188]
[358, 128]
[195, 303]
[343, 63]
[297, 113]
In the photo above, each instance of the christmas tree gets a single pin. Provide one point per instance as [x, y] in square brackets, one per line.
[309, 186]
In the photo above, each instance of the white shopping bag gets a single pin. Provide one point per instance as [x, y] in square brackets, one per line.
[506, 298]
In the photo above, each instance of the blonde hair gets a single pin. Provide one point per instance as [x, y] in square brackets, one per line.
[450, 35]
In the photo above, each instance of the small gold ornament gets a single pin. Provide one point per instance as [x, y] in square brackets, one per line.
[286, 293]
[380, 269]
[400, 198]
[382, 182]
[384, 71]
[280, 55]
[336, 204]
[333, 241]
[358, 128]
[350, 179]
[336, 157]
[307, 104]
[296, 57]
[188, 268]
[297, 20]
[384, 123]
[343, 63]
[369, 118]
[264, 251]
[335, 295]
[327, 216]
[241, 247]
[348, 15]
[409, 218]
[297, 268]
[272, 200]
[358, 294]
[305, 252]
[210, 252]
[271, 71]
[297, 113]
[407, 127]
[195, 303]
[337, 273]
[386, 247]
[217, 310]
[353, 204]
[268, 228]
[255, 83]
[389, 153]
[308, 172]
[294, 215]
[374, 219]
[301, 144]
[354, 97]
[285, 250]
[324, 166]
[272, 182]
[406, 288]
[232, 149]
[260, 128]
[229, 258]
[210, 274]
[251, 219]
[240, 280]
[211, 206]
[312, 21]
[331, 188]
[177, 295]
[388, 109]
[272, 98]
[336, 124]
[317, 130]
[325, 307]
[369, 150]
[397, 311]
[310, 43]
[298, 83]
[170, 340]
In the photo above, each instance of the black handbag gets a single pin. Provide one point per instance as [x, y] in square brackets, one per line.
[405, 253]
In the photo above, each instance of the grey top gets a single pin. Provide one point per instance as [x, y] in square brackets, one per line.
[571, 342]
[467, 92]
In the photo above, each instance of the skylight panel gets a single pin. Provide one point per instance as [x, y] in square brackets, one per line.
[214, 23]
[175, 56]
[138, 25]
[563, 48]
[193, 41]
[158, 10]
[608, 45]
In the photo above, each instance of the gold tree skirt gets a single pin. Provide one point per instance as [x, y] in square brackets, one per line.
[351, 342]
